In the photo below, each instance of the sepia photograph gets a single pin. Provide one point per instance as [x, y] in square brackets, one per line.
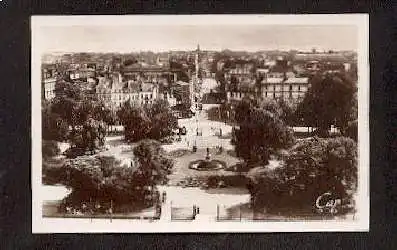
[200, 123]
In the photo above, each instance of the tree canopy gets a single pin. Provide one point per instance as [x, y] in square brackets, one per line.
[54, 126]
[313, 167]
[104, 180]
[89, 136]
[154, 121]
[70, 117]
[153, 165]
[330, 100]
[261, 131]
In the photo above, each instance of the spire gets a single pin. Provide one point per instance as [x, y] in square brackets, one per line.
[198, 47]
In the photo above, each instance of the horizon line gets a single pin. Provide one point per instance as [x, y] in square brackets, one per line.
[317, 50]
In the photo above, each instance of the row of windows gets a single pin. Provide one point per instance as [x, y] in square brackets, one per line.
[116, 91]
[240, 71]
[293, 95]
[278, 94]
[49, 94]
[286, 88]
[237, 94]
[119, 104]
[108, 95]
[135, 97]
[292, 98]
[49, 75]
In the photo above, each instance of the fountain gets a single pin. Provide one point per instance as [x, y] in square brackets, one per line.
[207, 163]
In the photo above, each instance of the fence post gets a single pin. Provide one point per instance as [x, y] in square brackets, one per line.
[217, 212]
[171, 209]
[111, 210]
[253, 209]
[240, 211]
[91, 210]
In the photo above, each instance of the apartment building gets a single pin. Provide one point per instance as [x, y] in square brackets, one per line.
[291, 89]
[49, 80]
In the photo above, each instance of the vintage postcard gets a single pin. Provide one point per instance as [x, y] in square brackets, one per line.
[200, 123]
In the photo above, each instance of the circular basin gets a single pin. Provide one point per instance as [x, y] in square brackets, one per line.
[207, 165]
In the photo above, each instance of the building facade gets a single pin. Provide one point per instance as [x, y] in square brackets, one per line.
[291, 89]
[49, 80]
[114, 92]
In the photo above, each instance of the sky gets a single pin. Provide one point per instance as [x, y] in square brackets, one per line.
[125, 39]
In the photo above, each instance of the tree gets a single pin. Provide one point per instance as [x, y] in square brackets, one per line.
[352, 130]
[219, 77]
[162, 119]
[84, 110]
[86, 118]
[288, 112]
[136, 122]
[153, 165]
[313, 167]
[243, 108]
[102, 113]
[261, 132]
[67, 103]
[54, 127]
[234, 83]
[68, 90]
[66, 109]
[154, 121]
[130, 61]
[103, 181]
[329, 101]
[90, 136]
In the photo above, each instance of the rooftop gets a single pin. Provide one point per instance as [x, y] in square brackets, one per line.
[139, 67]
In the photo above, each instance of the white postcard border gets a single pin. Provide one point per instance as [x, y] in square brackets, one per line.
[62, 225]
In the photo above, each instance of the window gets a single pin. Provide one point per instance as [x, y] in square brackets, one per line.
[299, 88]
[290, 87]
[274, 95]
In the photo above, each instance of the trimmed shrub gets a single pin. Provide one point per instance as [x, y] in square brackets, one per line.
[213, 181]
